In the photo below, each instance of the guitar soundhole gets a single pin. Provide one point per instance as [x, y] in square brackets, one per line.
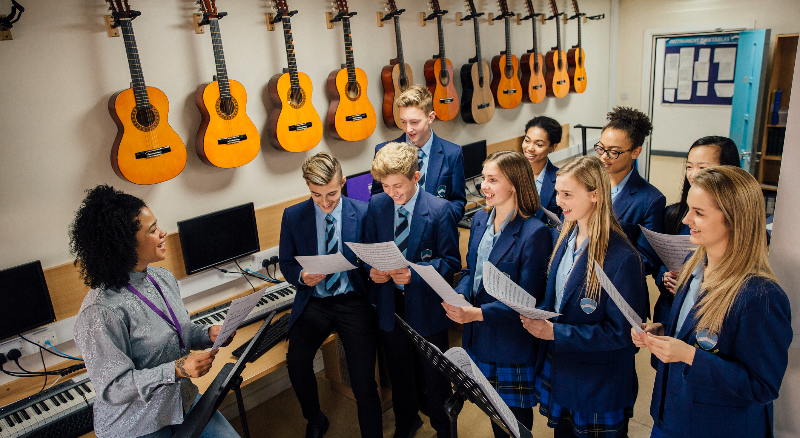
[444, 78]
[480, 82]
[536, 68]
[145, 118]
[353, 91]
[403, 83]
[509, 71]
[296, 97]
[227, 108]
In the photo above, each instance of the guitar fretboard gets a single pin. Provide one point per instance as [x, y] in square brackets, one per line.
[219, 58]
[287, 36]
[137, 78]
[442, 56]
[507, 20]
[400, 60]
[348, 50]
[478, 57]
[558, 41]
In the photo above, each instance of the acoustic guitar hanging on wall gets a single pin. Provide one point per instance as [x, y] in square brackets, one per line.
[557, 78]
[439, 73]
[395, 77]
[533, 64]
[146, 150]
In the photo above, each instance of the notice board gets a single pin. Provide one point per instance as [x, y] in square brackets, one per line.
[699, 70]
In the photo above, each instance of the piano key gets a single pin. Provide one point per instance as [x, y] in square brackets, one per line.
[54, 400]
[68, 395]
[9, 421]
[24, 414]
[85, 388]
[79, 390]
[61, 398]
[36, 409]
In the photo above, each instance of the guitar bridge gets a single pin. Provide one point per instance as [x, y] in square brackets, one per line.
[510, 91]
[446, 100]
[536, 87]
[232, 140]
[562, 82]
[356, 117]
[484, 105]
[581, 79]
[300, 126]
[153, 152]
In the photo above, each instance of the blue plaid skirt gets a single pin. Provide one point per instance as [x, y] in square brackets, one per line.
[514, 382]
[584, 424]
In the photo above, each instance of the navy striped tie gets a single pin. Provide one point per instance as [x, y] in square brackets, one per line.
[421, 156]
[402, 230]
[332, 247]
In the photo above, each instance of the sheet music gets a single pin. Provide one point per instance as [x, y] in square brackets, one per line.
[325, 264]
[511, 294]
[552, 216]
[672, 249]
[238, 311]
[461, 359]
[440, 285]
[632, 317]
[383, 256]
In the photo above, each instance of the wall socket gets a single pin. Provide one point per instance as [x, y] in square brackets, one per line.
[47, 334]
[259, 257]
[5, 347]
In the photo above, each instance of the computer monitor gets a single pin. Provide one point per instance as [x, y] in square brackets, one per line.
[358, 186]
[24, 300]
[474, 156]
[220, 237]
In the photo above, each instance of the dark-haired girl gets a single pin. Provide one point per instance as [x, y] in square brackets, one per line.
[542, 136]
[636, 202]
[705, 152]
[132, 329]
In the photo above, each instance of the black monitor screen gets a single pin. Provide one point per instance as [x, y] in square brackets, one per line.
[218, 237]
[474, 156]
[358, 186]
[24, 300]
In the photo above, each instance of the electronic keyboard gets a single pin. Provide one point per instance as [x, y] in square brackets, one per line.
[276, 298]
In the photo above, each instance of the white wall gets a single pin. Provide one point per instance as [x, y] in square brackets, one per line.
[58, 73]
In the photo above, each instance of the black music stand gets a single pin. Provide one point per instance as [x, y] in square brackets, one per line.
[464, 387]
[228, 378]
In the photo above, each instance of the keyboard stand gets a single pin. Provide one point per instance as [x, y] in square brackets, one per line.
[237, 389]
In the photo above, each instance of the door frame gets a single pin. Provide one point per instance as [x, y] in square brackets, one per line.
[649, 62]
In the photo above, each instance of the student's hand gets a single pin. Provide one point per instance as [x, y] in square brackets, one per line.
[670, 281]
[401, 276]
[378, 276]
[311, 280]
[195, 364]
[463, 315]
[541, 329]
[640, 339]
[213, 331]
[668, 349]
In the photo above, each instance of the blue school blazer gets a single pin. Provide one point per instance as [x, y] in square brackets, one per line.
[665, 297]
[445, 176]
[548, 195]
[728, 390]
[639, 203]
[521, 252]
[432, 240]
[299, 237]
[592, 368]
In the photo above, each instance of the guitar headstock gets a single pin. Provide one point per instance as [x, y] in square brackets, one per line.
[341, 7]
[529, 7]
[391, 5]
[280, 5]
[554, 7]
[120, 8]
[208, 7]
[434, 5]
[503, 5]
[575, 6]
[471, 7]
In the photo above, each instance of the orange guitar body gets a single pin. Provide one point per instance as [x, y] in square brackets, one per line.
[393, 85]
[294, 124]
[577, 70]
[150, 140]
[506, 88]
[351, 116]
[441, 86]
[557, 78]
[227, 137]
[533, 77]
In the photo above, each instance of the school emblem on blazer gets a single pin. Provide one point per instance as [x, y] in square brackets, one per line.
[426, 255]
[441, 191]
[588, 305]
[705, 340]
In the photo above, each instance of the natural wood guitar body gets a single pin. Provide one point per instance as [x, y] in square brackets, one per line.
[351, 116]
[294, 124]
[227, 137]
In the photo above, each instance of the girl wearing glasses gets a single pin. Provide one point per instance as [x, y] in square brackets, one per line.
[586, 383]
[723, 350]
[705, 152]
[635, 201]
[542, 136]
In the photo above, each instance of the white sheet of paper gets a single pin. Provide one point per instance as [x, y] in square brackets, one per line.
[701, 71]
[726, 57]
[704, 55]
[684, 90]
[461, 359]
[723, 90]
[725, 71]
[686, 63]
[511, 294]
[669, 94]
[671, 249]
[629, 314]
[325, 264]
[671, 62]
[238, 311]
[440, 285]
[702, 89]
[552, 216]
[725, 54]
[383, 256]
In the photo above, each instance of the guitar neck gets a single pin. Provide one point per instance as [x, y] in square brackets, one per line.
[558, 40]
[507, 20]
[219, 59]
[478, 57]
[348, 50]
[535, 42]
[290, 58]
[399, 42]
[137, 78]
[441, 41]
[579, 31]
